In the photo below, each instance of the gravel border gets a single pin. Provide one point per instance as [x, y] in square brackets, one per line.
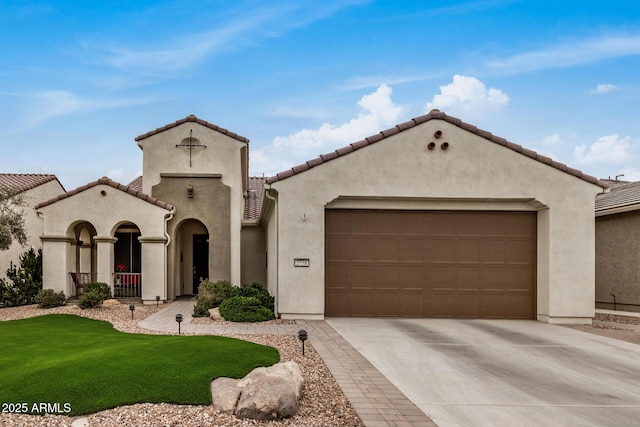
[323, 402]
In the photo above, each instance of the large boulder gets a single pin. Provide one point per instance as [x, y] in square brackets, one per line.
[265, 394]
[224, 394]
[214, 313]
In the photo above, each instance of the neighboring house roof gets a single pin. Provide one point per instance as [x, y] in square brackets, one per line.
[432, 115]
[253, 198]
[192, 118]
[106, 181]
[21, 182]
[136, 184]
[621, 198]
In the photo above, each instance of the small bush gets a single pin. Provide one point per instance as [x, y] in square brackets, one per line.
[48, 298]
[255, 290]
[210, 295]
[245, 309]
[94, 294]
[100, 288]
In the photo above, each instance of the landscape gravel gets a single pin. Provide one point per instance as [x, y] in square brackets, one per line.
[323, 402]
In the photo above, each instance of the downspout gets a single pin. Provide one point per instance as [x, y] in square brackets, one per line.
[168, 217]
[275, 204]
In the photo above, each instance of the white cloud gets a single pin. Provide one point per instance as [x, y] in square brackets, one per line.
[603, 89]
[609, 149]
[55, 103]
[468, 97]
[570, 54]
[364, 82]
[378, 113]
[553, 140]
[240, 25]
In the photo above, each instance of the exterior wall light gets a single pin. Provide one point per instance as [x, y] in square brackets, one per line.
[302, 336]
[179, 319]
[132, 307]
[190, 191]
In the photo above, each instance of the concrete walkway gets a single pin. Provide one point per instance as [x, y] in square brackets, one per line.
[378, 402]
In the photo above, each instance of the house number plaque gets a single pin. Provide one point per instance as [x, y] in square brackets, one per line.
[301, 262]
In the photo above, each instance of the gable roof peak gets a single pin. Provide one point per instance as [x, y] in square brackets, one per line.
[431, 115]
[192, 118]
[111, 183]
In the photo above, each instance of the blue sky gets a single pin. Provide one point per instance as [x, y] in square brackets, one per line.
[80, 80]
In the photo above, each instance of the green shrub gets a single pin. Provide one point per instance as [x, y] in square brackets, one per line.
[210, 295]
[100, 288]
[48, 298]
[255, 290]
[94, 294]
[24, 282]
[245, 309]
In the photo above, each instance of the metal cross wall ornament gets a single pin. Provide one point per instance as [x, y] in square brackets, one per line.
[190, 145]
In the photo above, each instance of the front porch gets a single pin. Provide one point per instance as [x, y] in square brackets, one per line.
[124, 285]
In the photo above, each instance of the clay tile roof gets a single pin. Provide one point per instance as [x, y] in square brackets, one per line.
[253, 199]
[106, 181]
[622, 194]
[136, 183]
[192, 118]
[435, 114]
[20, 182]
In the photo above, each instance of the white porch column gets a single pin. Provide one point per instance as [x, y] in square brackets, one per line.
[154, 268]
[104, 247]
[57, 263]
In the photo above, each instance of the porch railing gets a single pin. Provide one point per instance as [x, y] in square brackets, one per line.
[127, 285]
[78, 280]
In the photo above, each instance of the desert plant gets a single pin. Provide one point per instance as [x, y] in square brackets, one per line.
[255, 290]
[23, 282]
[94, 294]
[210, 295]
[245, 309]
[48, 298]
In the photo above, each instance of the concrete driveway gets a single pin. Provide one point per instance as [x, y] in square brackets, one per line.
[503, 372]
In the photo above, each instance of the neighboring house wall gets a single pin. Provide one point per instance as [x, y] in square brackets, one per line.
[618, 261]
[33, 223]
[399, 172]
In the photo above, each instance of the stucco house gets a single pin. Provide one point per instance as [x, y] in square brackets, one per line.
[618, 247]
[34, 188]
[431, 218]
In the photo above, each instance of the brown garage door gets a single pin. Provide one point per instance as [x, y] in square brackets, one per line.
[430, 264]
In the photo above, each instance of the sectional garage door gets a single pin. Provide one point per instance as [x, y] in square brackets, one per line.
[430, 264]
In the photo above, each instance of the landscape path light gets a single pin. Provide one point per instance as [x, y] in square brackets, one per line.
[302, 336]
[132, 307]
[157, 300]
[179, 320]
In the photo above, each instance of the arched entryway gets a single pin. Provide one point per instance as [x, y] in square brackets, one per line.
[83, 268]
[191, 256]
[127, 256]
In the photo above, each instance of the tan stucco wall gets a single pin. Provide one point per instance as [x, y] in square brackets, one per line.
[210, 205]
[33, 224]
[473, 174]
[222, 155]
[254, 254]
[618, 261]
[105, 212]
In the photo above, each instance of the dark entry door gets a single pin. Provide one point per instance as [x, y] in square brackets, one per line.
[200, 259]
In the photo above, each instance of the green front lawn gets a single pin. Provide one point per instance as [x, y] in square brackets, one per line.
[73, 365]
